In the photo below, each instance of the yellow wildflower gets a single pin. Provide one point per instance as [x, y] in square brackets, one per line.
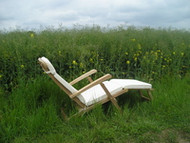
[133, 40]
[101, 59]
[139, 46]
[140, 52]
[22, 66]
[173, 53]
[126, 53]
[1, 76]
[74, 62]
[32, 35]
[182, 54]
[91, 60]
[81, 65]
[128, 62]
[135, 59]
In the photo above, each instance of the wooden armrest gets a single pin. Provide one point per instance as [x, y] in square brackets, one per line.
[83, 76]
[98, 81]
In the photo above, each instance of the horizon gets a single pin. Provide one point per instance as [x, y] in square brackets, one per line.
[86, 27]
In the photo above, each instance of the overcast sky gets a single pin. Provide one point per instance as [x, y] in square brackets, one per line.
[31, 14]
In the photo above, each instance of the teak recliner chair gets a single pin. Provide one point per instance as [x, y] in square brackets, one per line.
[99, 91]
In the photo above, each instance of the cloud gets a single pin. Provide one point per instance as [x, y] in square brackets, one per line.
[154, 13]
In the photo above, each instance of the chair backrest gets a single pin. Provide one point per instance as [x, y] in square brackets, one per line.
[49, 69]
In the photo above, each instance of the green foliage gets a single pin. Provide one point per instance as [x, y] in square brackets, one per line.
[142, 53]
[30, 102]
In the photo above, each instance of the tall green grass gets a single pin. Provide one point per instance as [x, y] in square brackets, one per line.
[30, 102]
[31, 113]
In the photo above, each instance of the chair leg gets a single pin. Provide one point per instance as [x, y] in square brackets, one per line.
[79, 113]
[63, 114]
[150, 94]
[141, 94]
[113, 100]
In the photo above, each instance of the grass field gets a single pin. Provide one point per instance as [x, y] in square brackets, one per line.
[30, 102]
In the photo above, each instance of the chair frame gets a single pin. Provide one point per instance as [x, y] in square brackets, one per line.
[82, 108]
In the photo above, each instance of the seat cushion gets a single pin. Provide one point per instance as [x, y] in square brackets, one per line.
[131, 84]
[96, 93]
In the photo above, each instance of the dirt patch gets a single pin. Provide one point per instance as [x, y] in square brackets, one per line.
[183, 137]
[173, 136]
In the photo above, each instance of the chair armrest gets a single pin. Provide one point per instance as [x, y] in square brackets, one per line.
[83, 76]
[98, 81]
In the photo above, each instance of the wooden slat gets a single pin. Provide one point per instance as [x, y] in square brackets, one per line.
[80, 104]
[89, 79]
[83, 76]
[98, 81]
[60, 85]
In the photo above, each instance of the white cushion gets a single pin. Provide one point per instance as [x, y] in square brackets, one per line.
[57, 76]
[49, 65]
[65, 83]
[97, 93]
[131, 83]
